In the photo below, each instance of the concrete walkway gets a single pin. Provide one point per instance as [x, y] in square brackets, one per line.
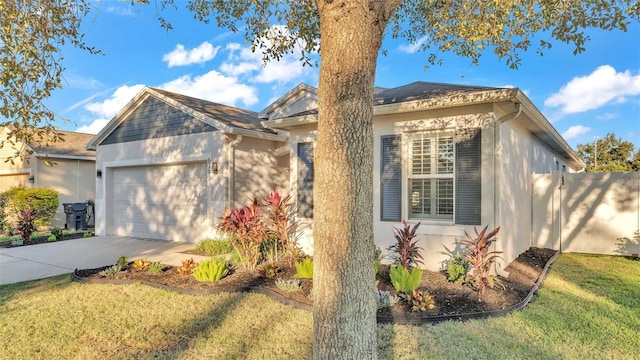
[34, 262]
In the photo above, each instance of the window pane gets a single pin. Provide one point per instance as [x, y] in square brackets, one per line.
[421, 155]
[445, 155]
[445, 197]
[420, 192]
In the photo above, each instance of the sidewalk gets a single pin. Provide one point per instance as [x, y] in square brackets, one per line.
[41, 261]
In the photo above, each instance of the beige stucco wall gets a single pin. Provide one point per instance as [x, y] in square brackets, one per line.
[258, 171]
[506, 179]
[74, 180]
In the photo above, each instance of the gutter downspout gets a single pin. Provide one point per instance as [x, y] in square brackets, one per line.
[231, 160]
[497, 149]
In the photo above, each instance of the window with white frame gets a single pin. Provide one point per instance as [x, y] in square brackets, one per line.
[431, 175]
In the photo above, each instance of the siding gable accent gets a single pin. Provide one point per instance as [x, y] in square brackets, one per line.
[305, 180]
[390, 178]
[468, 181]
[156, 119]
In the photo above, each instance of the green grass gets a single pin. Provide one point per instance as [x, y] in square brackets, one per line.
[589, 307]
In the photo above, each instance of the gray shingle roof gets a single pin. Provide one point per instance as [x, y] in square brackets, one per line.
[419, 90]
[229, 115]
[73, 145]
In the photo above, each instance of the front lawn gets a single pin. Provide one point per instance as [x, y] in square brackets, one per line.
[589, 307]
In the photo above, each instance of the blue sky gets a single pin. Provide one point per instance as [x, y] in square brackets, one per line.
[584, 96]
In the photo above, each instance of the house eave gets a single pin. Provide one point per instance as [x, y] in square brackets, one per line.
[542, 129]
[293, 94]
[64, 156]
[257, 134]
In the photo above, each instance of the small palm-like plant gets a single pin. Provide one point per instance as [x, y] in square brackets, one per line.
[211, 270]
[304, 269]
[478, 255]
[407, 251]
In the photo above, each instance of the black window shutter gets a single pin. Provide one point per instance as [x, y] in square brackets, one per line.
[305, 180]
[468, 182]
[390, 179]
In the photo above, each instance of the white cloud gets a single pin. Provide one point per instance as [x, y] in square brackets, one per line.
[415, 46]
[603, 86]
[110, 107]
[607, 116]
[198, 55]
[242, 62]
[575, 131]
[213, 86]
[94, 127]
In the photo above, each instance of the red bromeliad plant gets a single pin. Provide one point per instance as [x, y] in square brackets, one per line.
[282, 224]
[478, 255]
[25, 224]
[246, 231]
[407, 251]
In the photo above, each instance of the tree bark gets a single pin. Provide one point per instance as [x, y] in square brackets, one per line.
[344, 299]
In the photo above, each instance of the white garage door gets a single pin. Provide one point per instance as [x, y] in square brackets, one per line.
[161, 202]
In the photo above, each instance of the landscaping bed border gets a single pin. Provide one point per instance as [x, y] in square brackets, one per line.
[382, 319]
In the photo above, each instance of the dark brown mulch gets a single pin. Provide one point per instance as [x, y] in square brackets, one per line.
[43, 240]
[450, 298]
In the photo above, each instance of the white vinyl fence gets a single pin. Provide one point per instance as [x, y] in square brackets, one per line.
[596, 213]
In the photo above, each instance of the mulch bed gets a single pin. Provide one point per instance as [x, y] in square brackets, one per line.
[43, 240]
[451, 299]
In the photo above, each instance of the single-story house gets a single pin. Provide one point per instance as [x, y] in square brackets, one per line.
[64, 166]
[450, 156]
[167, 165]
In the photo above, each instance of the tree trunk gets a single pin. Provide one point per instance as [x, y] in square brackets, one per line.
[344, 302]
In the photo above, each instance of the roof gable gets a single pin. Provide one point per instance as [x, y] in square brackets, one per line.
[299, 99]
[154, 119]
[152, 109]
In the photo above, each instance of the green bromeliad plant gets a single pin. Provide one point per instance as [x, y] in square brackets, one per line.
[403, 280]
[211, 270]
[304, 269]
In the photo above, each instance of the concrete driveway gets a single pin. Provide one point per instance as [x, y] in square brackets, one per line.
[41, 261]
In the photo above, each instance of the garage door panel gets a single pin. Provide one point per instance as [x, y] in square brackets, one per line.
[161, 202]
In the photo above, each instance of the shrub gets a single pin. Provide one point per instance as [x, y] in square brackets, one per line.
[214, 247]
[478, 255]
[43, 200]
[457, 269]
[288, 285]
[123, 261]
[57, 232]
[406, 251]
[246, 231]
[141, 264]
[52, 238]
[384, 299]
[25, 224]
[211, 270]
[87, 234]
[420, 300]
[110, 271]
[187, 267]
[403, 280]
[155, 268]
[304, 269]
[281, 224]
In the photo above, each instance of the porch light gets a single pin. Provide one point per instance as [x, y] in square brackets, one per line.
[99, 173]
[32, 179]
[214, 168]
